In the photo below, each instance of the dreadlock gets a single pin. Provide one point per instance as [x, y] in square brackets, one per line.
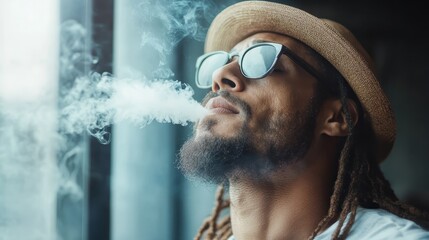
[212, 229]
[359, 181]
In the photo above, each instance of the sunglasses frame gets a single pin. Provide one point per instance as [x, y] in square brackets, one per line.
[280, 49]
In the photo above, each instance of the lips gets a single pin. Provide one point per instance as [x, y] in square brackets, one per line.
[221, 106]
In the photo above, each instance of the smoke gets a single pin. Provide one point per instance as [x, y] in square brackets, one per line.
[100, 100]
[28, 119]
[44, 119]
[166, 23]
[97, 100]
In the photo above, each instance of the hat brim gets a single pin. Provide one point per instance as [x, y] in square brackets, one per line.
[328, 38]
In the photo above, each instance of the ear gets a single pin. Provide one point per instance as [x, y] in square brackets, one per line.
[333, 118]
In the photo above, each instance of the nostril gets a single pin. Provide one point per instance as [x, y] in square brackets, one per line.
[228, 82]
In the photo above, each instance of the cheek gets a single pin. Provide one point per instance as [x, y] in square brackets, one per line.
[274, 102]
[272, 114]
[270, 109]
[269, 130]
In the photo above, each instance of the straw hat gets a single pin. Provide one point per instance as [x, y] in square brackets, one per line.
[330, 39]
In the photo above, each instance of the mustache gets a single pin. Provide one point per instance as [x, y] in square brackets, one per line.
[245, 108]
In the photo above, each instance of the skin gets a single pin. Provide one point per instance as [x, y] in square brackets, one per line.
[291, 201]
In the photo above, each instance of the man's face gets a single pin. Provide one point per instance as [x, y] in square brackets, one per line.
[256, 126]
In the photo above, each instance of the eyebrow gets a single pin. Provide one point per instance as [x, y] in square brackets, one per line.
[258, 41]
[253, 42]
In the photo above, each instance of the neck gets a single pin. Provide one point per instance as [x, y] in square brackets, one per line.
[287, 206]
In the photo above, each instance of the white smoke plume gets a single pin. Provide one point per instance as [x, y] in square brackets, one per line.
[97, 100]
[100, 100]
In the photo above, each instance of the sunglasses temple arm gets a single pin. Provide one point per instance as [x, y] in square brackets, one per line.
[298, 60]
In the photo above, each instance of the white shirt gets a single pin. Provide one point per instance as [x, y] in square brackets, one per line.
[377, 224]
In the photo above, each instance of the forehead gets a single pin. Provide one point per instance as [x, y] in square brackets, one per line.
[290, 42]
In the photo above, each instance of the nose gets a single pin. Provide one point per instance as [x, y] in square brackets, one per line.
[229, 78]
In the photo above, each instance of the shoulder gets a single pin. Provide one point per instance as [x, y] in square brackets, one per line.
[380, 224]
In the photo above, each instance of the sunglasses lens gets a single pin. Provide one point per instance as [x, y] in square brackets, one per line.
[208, 66]
[257, 61]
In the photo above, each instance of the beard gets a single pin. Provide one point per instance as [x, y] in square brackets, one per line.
[216, 159]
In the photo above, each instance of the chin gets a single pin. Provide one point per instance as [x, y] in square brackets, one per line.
[218, 126]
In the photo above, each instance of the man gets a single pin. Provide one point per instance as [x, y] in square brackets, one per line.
[298, 126]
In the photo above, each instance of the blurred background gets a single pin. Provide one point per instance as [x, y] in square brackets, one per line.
[129, 188]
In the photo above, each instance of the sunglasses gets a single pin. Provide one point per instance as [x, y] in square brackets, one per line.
[255, 62]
